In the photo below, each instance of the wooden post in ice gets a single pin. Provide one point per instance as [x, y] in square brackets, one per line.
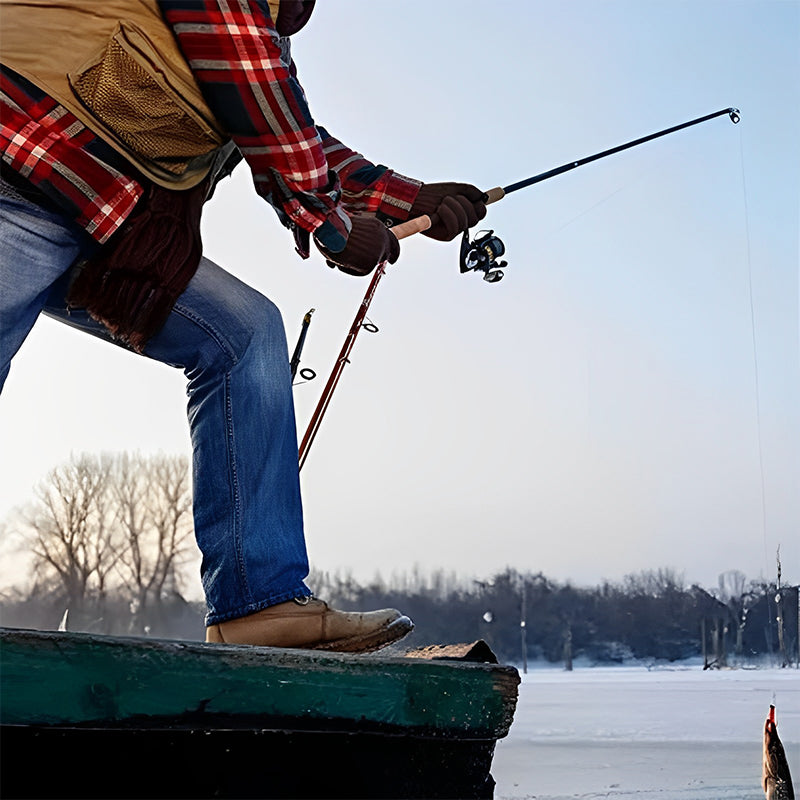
[568, 648]
[779, 613]
[523, 633]
[703, 639]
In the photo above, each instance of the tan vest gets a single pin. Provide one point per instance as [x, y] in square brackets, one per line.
[116, 66]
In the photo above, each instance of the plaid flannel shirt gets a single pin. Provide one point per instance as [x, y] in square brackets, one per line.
[249, 81]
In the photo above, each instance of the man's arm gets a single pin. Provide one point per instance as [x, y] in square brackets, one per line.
[367, 188]
[244, 69]
[245, 74]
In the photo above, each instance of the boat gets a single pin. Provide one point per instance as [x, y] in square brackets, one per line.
[90, 716]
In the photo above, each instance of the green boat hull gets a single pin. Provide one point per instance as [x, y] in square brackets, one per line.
[98, 716]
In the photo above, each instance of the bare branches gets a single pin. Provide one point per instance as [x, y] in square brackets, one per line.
[154, 502]
[71, 528]
[121, 522]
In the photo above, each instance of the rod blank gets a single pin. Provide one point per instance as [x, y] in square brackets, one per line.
[733, 113]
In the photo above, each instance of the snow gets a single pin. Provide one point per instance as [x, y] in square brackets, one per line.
[633, 733]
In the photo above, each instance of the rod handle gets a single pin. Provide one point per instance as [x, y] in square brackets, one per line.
[412, 226]
[420, 224]
[493, 195]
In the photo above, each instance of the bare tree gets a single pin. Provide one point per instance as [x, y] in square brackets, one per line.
[106, 522]
[733, 592]
[654, 583]
[779, 612]
[71, 528]
[153, 498]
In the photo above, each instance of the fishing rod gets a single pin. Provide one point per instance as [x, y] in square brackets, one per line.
[338, 368]
[480, 254]
[306, 372]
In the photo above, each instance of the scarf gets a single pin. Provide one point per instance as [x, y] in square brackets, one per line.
[131, 284]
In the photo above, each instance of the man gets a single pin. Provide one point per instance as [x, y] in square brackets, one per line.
[118, 117]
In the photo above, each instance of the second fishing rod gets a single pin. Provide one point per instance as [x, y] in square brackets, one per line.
[481, 254]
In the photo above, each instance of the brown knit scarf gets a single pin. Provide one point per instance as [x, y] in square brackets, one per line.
[131, 284]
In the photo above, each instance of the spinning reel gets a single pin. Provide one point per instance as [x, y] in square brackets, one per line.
[481, 254]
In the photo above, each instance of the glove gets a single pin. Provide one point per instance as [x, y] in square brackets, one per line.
[452, 207]
[370, 243]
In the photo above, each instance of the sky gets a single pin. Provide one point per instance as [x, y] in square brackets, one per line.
[626, 399]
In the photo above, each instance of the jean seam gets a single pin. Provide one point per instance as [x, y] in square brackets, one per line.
[210, 330]
[234, 476]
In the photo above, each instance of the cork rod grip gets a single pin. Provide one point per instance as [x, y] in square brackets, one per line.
[493, 195]
[420, 224]
[411, 226]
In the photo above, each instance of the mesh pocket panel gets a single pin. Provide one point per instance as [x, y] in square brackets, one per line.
[141, 110]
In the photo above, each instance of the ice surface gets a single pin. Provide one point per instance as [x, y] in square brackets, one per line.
[632, 733]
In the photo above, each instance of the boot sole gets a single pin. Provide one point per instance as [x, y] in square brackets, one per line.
[369, 642]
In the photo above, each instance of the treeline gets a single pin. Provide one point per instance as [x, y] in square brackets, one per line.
[651, 615]
[111, 545]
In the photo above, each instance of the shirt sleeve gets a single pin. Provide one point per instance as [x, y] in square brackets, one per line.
[367, 187]
[244, 70]
[246, 74]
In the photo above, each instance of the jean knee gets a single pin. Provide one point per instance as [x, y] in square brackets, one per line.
[218, 324]
[265, 316]
[264, 337]
[252, 332]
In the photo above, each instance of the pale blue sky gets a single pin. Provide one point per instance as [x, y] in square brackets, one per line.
[594, 413]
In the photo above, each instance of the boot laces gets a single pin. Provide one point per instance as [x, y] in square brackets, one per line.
[303, 601]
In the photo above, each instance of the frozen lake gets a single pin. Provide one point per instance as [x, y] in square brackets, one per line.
[632, 733]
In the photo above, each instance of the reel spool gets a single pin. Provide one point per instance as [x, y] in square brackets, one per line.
[481, 255]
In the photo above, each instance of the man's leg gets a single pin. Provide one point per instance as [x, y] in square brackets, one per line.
[230, 341]
[36, 248]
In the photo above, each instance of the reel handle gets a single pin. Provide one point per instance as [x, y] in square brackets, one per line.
[420, 224]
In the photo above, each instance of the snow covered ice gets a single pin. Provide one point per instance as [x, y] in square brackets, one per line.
[633, 733]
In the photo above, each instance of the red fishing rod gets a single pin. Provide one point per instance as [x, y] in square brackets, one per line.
[479, 255]
[338, 367]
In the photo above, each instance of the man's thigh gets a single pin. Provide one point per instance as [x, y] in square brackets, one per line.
[37, 248]
[211, 324]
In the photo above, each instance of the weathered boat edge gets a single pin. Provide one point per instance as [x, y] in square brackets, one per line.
[168, 718]
[112, 680]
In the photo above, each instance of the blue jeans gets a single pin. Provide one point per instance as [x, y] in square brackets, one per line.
[230, 342]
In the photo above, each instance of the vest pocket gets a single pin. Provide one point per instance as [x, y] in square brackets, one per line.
[126, 88]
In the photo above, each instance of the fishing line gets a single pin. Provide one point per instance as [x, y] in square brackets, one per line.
[757, 383]
[757, 387]
[642, 178]
[583, 213]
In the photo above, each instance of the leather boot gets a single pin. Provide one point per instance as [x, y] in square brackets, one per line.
[310, 624]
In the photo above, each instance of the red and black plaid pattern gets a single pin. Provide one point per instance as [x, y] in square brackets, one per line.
[367, 188]
[247, 77]
[48, 146]
[242, 67]
[246, 74]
